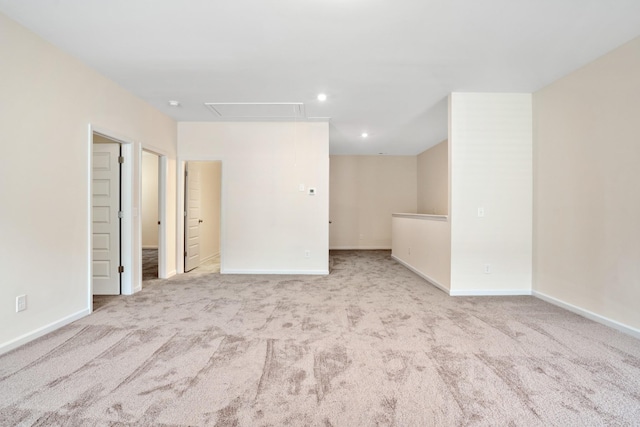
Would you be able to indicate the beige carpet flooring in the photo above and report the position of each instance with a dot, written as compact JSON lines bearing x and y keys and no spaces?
{"x":371,"y":344}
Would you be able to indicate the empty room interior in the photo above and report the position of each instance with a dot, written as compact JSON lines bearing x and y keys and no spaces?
{"x":306,"y":213}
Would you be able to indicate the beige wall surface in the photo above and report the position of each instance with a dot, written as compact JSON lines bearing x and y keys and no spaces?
{"x":433,"y":180}
{"x":268,"y":225}
{"x":587,"y":187}
{"x":424,"y":245}
{"x":365,"y":191}
{"x":48,"y":101}
{"x":490,"y":146}
{"x":210,"y":186}
{"x":149,"y":208}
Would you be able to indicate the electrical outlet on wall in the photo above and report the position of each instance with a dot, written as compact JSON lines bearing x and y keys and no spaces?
{"x":21,"y":303}
{"x":487,"y":269}
{"x":307,"y":253}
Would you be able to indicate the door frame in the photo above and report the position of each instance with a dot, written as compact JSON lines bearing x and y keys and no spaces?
{"x":180,"y":234}
{"x":128,"y":241}
{"x":163,"y":171}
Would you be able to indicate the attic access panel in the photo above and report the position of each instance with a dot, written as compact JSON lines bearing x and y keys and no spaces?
{"x":257,"y":110}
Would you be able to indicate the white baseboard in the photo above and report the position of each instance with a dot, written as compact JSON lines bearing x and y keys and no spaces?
{"x":209,"y":258}
{"x":489,"y":292}
{"x":23,"y":339}
{"x":421,"y":274}
{"x":306,"y":272}
{"x":170,"y":274}
{"x":589,"y":315}
{"x":149,"y":247}
{"x":360,"y":248}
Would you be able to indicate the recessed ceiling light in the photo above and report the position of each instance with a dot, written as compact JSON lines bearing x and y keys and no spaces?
{"x":364,"y":134}
{"x":174,"y":103}
{"x":322,"y":97}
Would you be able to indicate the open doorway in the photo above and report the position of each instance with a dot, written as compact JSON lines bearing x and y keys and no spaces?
{"x":150,"y":214}
{"x":106,"y":214}
{"x":120,"y":242}
{"x":202,"y":203}
{"x":111,"y":237}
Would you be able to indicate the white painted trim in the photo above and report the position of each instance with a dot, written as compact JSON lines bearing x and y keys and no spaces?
{"x":128,"y":241}
{"x":589,"y":314}
{"x":180,"y":168}
{"x":163,"y":173}
{"x":431,"y":280}
{"x":209,"y":258}
{"x":170,"y":274}
{"x":89,"y":220}
{"x":288,"y":272}
{"x":162,"y":206}
{"x":489,"y":292}
{"x":155,"y":150}
{"x":360,"y":248}
{"x":23,"y":339}
{"x":430,"y":217}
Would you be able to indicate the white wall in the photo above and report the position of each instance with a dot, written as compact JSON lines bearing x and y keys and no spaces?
{"x":149,"y":196}
{"x":587,"y":188}
{"x":491,"y":168}
{"x":433,"y":180}
{"x":48,"y":101}
{"x":267,"y":224}
{"x":365,"y":191}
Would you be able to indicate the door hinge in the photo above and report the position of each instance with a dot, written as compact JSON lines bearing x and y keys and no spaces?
{"x":158,"y":222}
{"x":120,"y":214}
{"x":120,"y":159}
{"x":120,"y":269}
{"x":185,"y":214}
{"x":185,"y":254}
{"x":186,"y":173}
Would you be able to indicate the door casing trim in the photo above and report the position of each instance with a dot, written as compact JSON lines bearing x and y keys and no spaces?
{"x":180,"y":234}
{"x":128,"y":240}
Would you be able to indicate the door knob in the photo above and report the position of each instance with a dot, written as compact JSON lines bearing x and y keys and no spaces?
{"x":200,"y":221}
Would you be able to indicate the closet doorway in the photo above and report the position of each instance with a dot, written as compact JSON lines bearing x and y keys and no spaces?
{"x":150,"y":214}
{"x":202,"y":207}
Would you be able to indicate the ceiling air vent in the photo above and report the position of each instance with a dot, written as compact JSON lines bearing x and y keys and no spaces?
{"x":257,"y":110}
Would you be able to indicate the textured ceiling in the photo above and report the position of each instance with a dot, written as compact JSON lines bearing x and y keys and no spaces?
{"x":386,"y":66}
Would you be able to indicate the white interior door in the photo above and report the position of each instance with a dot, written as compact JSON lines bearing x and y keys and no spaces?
{"x":106,"y":223}
{"x":192,"y":216}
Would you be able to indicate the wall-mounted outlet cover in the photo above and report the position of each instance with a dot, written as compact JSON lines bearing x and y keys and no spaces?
{"x":21,"y":303}
{"x":301,"y":187}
